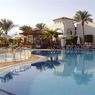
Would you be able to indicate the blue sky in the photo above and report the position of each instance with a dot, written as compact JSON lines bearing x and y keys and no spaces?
{"x":31,"y":12}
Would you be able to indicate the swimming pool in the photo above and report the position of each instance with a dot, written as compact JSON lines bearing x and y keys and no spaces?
{"x":64,"y":73}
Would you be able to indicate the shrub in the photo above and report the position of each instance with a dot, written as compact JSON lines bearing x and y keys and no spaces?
{"x":71,"y":41}
{"x":88,"y":38}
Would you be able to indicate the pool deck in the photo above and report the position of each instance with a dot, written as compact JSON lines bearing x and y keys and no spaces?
{"x":8,"y":64}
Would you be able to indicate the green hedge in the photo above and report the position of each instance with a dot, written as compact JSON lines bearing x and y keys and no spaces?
{"x":88,"y":38}
{"x":73,"y":40}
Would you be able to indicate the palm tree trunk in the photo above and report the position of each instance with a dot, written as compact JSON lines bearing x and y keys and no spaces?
{"x":33,"y":42}
{"x":51,"y":41}
{"x":6,"y":32}
{"x":83,"y":31}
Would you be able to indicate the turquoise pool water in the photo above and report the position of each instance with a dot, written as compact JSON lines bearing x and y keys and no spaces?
{"x":64,"y":73}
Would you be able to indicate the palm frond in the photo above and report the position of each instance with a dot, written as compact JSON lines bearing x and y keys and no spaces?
{"x":83,"y":16}
{"x":41,"y":26}
{"x":6,"y":25}
{"x":26,"y":28}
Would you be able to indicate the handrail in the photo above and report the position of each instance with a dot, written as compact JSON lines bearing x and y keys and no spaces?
{"x":8,"y":93}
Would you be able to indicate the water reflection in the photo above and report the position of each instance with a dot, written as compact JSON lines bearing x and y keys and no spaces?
{"x":83,"y":78}
{"x":46,"y":65}
{"x":7,"y":77}
{"x":15,"y":72}
{"x":84,"y":66}
{"x":78,"y":65}
{"x":53,"y":60}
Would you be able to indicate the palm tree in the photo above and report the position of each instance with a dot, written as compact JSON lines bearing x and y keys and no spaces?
{"x":83,"y":17}
{"x":50,"y":34}
{"x":6,"y":25}
{"x":41,"y":26}
{"x":1,"y":31}
{"x":26,"y":28}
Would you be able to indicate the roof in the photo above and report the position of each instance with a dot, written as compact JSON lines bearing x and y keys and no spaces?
{"x":6,"y":36}
{"x":63,"y":18}
{"x":19,"y":36}
{"x":36,"y":32}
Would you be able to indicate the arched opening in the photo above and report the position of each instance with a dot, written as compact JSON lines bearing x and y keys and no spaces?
{"x":62,"y":37}
{"x":59,"y":30}
{"x":69,"y":32}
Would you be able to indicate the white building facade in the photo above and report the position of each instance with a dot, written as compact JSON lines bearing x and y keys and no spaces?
{"x":89,"y":29}
{"x":64,"y":25}
{"x":69,"y":27}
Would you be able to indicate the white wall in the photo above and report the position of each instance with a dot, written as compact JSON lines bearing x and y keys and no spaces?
{"x":58,"y":25}
{"x":64,"y":25}
{"x":88,"y":29}
{"x":68,"y":24}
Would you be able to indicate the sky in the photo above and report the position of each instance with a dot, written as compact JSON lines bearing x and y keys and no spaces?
{"x":31,"y":12}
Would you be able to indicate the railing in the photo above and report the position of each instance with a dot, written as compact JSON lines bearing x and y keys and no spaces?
{"x":4,"y":92}
{"x":10,"y":55}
